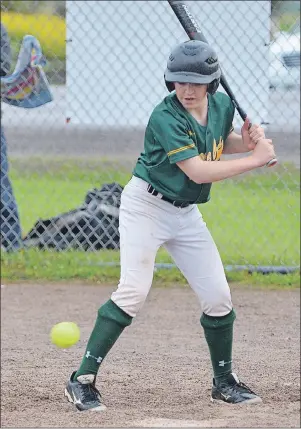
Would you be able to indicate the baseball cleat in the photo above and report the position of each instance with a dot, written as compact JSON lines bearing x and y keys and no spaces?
{"x":233,"y":391}
{"x":83,"y":393}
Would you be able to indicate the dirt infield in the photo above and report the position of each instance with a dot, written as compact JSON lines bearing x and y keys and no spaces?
{"x":159,"y":373}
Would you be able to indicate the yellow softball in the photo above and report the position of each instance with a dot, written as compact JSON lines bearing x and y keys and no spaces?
{"x":65,"y":334}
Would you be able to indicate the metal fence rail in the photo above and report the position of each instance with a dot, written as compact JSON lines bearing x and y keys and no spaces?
{"x":105,"y":64}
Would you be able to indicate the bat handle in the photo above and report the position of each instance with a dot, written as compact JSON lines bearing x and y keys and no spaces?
{"x":272,"y":162}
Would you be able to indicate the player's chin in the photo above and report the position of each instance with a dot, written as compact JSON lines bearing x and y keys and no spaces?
{"x":190,"y":103}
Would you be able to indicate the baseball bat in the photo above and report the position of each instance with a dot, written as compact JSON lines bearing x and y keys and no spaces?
{"x":194,"y":32}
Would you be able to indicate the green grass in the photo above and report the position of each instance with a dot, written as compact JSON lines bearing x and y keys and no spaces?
{"x":40,"y":266}
{"x":253,"y":219}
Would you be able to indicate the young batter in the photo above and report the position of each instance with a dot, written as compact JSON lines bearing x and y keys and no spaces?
{"x":188,"y":130}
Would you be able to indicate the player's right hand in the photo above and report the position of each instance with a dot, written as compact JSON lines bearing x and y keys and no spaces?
{"x":263,"y":152}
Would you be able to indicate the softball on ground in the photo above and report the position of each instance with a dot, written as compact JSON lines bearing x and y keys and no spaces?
{"x":65,"y":334}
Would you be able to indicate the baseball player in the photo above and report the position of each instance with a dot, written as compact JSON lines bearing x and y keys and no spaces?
{"x":185,"y":136}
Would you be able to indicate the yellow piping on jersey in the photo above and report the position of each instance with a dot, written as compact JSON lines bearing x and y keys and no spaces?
{"x":180,"y":149}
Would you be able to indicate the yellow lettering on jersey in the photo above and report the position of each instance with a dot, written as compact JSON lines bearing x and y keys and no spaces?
{"x":220,"y":148}
{"x":216,"y":152}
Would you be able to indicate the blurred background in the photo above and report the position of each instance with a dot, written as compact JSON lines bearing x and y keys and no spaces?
{"x":105,"y":65}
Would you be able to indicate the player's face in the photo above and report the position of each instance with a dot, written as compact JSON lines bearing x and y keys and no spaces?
{"x":191,"y":95}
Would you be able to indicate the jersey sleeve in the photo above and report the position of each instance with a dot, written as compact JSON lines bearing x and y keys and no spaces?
{"x":174,"y":137}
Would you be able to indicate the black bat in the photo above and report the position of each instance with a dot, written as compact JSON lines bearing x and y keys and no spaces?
{"x":194,"y":32}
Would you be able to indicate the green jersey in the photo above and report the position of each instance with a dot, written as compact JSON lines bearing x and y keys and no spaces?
{"x":172,"y":135}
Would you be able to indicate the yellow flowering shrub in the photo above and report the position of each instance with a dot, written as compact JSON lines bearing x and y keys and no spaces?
{"x":50,"y":30}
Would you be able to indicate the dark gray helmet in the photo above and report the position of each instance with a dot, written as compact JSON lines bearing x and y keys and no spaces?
{"x":193,"y":62}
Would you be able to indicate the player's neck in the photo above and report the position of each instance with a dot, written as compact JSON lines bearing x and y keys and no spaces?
{"x":200,"y":113}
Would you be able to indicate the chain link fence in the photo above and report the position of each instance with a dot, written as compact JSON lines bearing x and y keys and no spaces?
{"x":105,"y":62}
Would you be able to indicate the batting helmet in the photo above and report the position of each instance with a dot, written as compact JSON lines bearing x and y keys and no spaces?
{"x":193,"y":62}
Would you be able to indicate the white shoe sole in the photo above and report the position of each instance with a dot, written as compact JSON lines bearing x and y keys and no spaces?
{"x":96,"y":409}
{"x":256,"y":400}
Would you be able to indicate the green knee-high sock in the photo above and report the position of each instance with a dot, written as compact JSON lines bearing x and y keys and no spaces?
{"x":219,"y":337}
{"x":110,"y":323}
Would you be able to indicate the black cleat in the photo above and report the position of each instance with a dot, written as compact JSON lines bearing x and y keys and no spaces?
{"x":83,"y":393}
{"x":233,"y":391}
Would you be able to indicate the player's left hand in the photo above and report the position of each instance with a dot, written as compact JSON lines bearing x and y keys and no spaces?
{"x":251,"y":135}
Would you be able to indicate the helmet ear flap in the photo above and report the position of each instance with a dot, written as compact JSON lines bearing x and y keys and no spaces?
{"x":212,"y":87}
{"x":170,"y":86}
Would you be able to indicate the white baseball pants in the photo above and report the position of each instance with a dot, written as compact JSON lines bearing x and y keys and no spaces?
{"x":145,"y":224}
